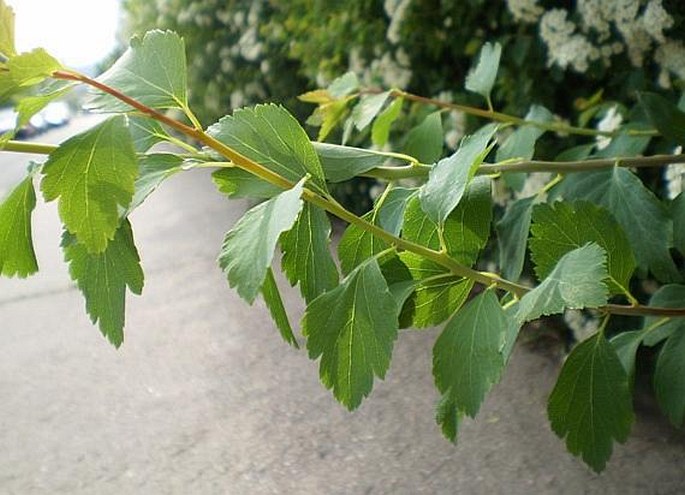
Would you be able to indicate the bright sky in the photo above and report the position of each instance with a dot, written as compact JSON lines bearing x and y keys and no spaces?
{"x":76,"y":32}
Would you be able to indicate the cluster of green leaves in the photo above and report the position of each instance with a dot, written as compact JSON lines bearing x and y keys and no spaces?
{"x":409,"y":263}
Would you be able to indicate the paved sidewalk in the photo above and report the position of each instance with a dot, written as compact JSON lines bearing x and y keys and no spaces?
{"x":204,"y":397}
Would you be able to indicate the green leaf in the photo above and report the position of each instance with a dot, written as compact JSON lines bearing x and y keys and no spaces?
{"x":643,"y":218}
{"x":32,"y":67}
{"x":390,"y":216}
{"x":353,"y":328}
{"x":448,"y":417}
{"x":145,"y":133}
{"x":625,"y":345}
{"x":248,"y":247}
{"x":512,"y":237}
{"x":343,"y":85}
{"x":357,"y":245}
{"x":669,"y":378}
{"x":466,"y":229}
{"x":306,"y":254}
{"x":270,"y":136}
{"x":591,"y":405}
{"x":17,"y":257}
{"x":467,"y":360}
{"x":152,"y":71}
{"x":664,"y":115}
{"x":576,"y":282}
{"x":341,"y":163}
{"x":449,"y":178}
{"x":668,"y":296}
{"x":154,"y":169}
{"x":7,"y":30}
{"x":437,"y":293}
{"x":103,"y":278}
{"x":367,"y":109}
{"x":521,"y":143}
{"x":380,"y":131}
{"x":238,"y":183}
{"x":563,"y":226}
{"x":273,"y":300}
{"x":678,"y":213}
{"x":424,"y":142}
{"x":481,"y":78}
{"x":93,"y":175}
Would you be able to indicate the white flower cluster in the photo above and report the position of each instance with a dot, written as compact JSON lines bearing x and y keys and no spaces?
{"x":600,"y":29}
{"x":581,"y":324}
{"x":396,"y":11}
{"x":390,"y":70}
{"x":526,"y":11}
{"x":674,"y":175}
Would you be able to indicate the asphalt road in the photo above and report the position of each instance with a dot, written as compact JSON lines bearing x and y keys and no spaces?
{"x":204,"y":397}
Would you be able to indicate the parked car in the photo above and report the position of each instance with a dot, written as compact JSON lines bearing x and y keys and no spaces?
{"x":55,"y":114}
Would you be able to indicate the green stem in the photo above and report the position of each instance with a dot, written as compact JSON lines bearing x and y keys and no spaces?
{"x":511,"y":119}
{"x":24,"y":147}
{"x":406,"y":172}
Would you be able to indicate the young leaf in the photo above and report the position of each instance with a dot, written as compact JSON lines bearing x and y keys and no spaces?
{"x":17,"y":256}
{"x":424,"y":142}
{"x":272,"y":298}
{"x":665,"y":116}
{"x":238,"y":183}
{"x":248,"y":247}
{"x":481,"y":78}
{"x":563,"y":226}
{"x":306,"y":254}
{"x":32,"y":67}
{"x":152,"y":71}
{"x":643,"y":218}
{"x":103,"y":278}
{"x":521,"y":143}
{"x":591,"y":405}
{"x":353,"y":328}
{"x":93,"y":175}
{"x":669,"y":378}
{"x":367,"y":109}
{"x":448,"y":417}
{"x":467,"y":360}
{"x":512,"y":237}
{"x":668,"y":296}
{"x":437,"y":294}
{"x":381,"y":126}
{"x":7,"y":30}
{"x":449,"y":178}
{"x":343,"y":85}
{"x":154,"y":169}
{"x":269,"y":135}
{"x":576,"y":282}
{"x":466,"y":229}
{"x":341,"y":163}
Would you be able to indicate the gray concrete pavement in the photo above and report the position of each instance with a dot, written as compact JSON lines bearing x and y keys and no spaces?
{"x":204,"y":397}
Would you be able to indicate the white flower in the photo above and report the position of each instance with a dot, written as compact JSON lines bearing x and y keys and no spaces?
{"x":526,"y":11}
{"x":655,"y":20}
{"x":396,"y":10}
{"x":673,"y":176}
{"x":671,"y":58}
{"x":610,"y":122}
